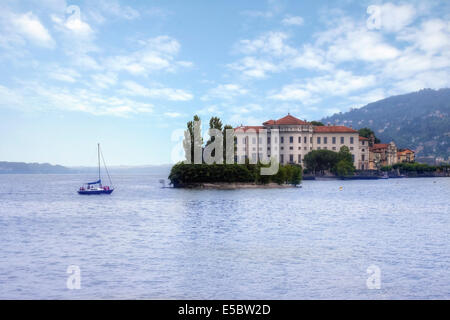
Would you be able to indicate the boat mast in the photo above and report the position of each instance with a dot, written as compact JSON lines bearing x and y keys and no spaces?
{"x":98,"y":153}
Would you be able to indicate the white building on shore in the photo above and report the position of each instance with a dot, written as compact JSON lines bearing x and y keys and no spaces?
{"x":296,"y":139}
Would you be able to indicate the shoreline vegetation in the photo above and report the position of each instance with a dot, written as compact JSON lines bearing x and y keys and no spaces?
{"x":233,"y":176}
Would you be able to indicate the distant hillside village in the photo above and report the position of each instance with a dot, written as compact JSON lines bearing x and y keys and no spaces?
{"x":299,"y":137}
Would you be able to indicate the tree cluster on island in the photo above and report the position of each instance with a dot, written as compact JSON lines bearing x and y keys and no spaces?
{"x":339,"y":163}
{"x":183,"y":174}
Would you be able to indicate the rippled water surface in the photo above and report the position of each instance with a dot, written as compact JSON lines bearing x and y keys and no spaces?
{"x":144,"y":241}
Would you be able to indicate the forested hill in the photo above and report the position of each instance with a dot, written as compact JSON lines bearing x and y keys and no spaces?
{"x":22,"y":167}
{"x":418,"y":120}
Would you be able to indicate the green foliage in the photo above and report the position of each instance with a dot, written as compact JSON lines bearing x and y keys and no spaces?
{"x":190,"y":141}
{"x":320,"y":160}
{"x":317,"y":123}
{"x":246,"y":173}
{"x":414,"y":167}
{"x":386,"y":168}
{"x":344,"y":154}
{"x":344,"y":168}
{"x":367,"y":132}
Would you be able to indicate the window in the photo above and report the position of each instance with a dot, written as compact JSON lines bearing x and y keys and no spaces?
{"x":304,"y":139}
{"x":299,"y":158}
{"x":291,"y":148}
{"x":268,"y":140}
{"x":318,"y":140}
{"x":351,"y":140}
{"x":318,"y":148}
{"x":299,"y":139}
{"x":362,"y":142}
{"x":254,"y":140}
{"x":282,"y":139}
{"x":334,"y":148}
{"x":291,"y":139}
{"x":254,"y":156}
{"x":324,"y":148}
{"x":362,"y":158}
{"x":353,"y":157}
{"x":362,"y":150}
{"x":244,"y":140}
{"x":325,"y":140}
{"x":281,"y":148}
{"x":351,"y":148}
{"x":291,"y":158}
{"x":310,"y":140}
{"x":299,"y":148}
{"x":260,"y":140}
{"x":342,"y":140}
{"x":333,"y":140}
{"x":282,"y":158}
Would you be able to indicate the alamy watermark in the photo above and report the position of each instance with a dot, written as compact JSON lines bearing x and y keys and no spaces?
{"x":74,"y":280}
{"x":373,"y":282}
{"x":221,"y":150}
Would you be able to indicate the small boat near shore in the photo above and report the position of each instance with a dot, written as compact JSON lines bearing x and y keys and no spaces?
{"x":96,"y":187}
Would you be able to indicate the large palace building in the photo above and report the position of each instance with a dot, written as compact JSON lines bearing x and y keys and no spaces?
{"x":297,"y":138}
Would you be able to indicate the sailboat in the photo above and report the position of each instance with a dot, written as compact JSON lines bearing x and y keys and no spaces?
{"x":97,"y":187}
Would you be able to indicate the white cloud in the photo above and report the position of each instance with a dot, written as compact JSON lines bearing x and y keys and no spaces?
{"x":173,"y":114}
{"x":156,"y":54}
{"x":34,"y":96}
{"x":247,"y":108}
{"x":310,"y":58}
{"x":64,"y":74}
{"x":113,"y":7}
{"x":210,"y":110}
{"x":254,"y":68}
{"x":351,"y":42}
{"x":225,"y":91}
{"x":73,"y":24}
{"x":104,"y":80}
{"x":394,"y":18}
{"x":312,"y":90}
{"x":293,"y":21}
{"x":135,"y":89}
{"x":272,"y":43}
{"x":432,"y":36}
{"x":30,"y":27}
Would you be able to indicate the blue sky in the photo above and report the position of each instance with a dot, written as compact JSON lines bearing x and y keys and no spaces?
{"x":130,"y":74}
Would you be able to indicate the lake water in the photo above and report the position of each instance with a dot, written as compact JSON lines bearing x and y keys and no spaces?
{"x":144,"y":241}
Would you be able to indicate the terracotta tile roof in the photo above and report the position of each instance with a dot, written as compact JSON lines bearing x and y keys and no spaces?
{"x":363,"y":138}
{"x":337,"y":129}
{"x":246,"y":128}
{"x":405,"y":151}
{"x":379,"y":146}
{"x":287,"y":120}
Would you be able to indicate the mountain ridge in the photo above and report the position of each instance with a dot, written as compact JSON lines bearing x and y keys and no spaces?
{"x":417,"y":120}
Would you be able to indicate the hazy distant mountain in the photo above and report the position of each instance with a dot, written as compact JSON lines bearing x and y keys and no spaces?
{"x":418,"y":120}
{"x":22,"y":167}
{"x":149,"y":169}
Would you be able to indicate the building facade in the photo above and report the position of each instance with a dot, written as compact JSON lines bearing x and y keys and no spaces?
{"x":405,"y":155}
{"x":382,"y":154}
{"x":295,"y":139}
